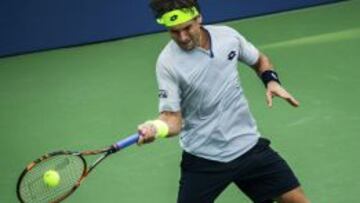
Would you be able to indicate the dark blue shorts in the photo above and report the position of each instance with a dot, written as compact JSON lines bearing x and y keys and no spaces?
{"x":260,"y":173}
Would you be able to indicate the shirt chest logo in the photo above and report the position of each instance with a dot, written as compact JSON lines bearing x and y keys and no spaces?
{"x":231,"y":55}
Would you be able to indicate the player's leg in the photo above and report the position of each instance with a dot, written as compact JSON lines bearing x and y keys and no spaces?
{"x":199,"y":182}
{"x":294,"y":196}
{"x":269,"y":177}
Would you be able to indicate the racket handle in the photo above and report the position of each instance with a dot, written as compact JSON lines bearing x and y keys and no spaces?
{"x":132,"y":139}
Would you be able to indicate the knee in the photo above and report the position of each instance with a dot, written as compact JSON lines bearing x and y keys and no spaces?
{"x":294,"y":196}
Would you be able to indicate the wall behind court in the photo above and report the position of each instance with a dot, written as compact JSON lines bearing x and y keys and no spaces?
{"x":27,"y":26}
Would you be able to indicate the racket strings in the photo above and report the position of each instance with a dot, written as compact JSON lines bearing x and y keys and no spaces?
{"x":33,"y":187}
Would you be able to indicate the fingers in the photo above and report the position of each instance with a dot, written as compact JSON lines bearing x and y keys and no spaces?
{"x":289,"y":98}
{"x":277,"y":90}
{"x":293,"y":101}
{"x":147,"y":133}
{"x":269,"y":98}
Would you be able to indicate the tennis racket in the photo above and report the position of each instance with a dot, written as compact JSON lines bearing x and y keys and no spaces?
{"x":71,"y":167}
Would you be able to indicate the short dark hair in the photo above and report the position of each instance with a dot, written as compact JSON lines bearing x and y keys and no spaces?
{"x":160,"y":7}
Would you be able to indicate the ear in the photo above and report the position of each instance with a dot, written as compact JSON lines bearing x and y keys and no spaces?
{"x":199,"y":19}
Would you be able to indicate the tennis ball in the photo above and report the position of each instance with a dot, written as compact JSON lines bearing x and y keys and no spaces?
{"x":51,"y":178}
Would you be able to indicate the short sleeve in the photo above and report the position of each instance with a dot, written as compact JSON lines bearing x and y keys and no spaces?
{"x":169,"y":90}
{"x":248,"y":53}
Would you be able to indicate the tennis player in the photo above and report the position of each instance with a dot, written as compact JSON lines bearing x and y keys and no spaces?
{"x":201,"y":99}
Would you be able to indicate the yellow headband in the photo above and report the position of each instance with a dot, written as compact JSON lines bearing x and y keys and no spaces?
{"x":178,"y":16}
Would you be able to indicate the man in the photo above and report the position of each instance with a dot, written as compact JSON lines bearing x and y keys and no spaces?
{"x":202,"y":100}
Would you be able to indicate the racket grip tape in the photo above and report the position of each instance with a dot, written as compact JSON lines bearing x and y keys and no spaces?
{"x":132,"y":139}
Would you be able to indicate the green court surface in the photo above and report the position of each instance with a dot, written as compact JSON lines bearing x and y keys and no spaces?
{"x":89,"y":97}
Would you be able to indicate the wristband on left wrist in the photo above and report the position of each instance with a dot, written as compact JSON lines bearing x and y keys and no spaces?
{"x":268,"y":76}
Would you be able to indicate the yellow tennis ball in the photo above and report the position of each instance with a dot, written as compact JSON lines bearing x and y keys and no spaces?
{"x":51,"y":178}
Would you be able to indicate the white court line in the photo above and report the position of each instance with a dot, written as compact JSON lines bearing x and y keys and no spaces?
{"x":301,"y":121}
{"x":322,"y":38}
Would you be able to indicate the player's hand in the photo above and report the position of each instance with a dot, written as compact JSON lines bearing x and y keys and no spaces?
{"x":275,"y":89}
{"x":147,"y":133}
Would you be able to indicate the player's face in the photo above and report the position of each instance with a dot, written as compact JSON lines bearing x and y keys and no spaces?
{"x":187,"y":35}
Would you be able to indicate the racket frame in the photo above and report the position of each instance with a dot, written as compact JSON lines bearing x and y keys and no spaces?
{"x":128,"y":141}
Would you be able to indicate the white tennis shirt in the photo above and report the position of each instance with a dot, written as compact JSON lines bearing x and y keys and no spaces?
{"x":204,"y":85}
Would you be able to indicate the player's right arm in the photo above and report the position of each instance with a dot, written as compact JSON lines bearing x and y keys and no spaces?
{"x":173,"y":120}
{"x":169,"y":121}
{"x":148,"y":131}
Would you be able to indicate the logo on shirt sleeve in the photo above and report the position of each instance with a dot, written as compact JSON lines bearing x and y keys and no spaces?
{"x":231,"y":55}
{"x":163,"y":94}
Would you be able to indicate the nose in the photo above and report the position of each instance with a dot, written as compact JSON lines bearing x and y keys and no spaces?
{"x":184,"y":36}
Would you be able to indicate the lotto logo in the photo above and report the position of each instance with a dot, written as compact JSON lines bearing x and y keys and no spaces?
{"x":174,"y":17}
{"x":231,"y":55}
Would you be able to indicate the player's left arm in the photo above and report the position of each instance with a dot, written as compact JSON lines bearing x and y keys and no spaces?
{"x":266,"y":72}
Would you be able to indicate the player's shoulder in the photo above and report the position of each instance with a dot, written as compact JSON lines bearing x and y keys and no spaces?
{"x":166,"y":57}
{"x":223,"y":30}
{"x":168,"y":52}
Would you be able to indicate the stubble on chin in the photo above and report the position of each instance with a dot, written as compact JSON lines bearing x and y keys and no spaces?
{"x":187,"y":47}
